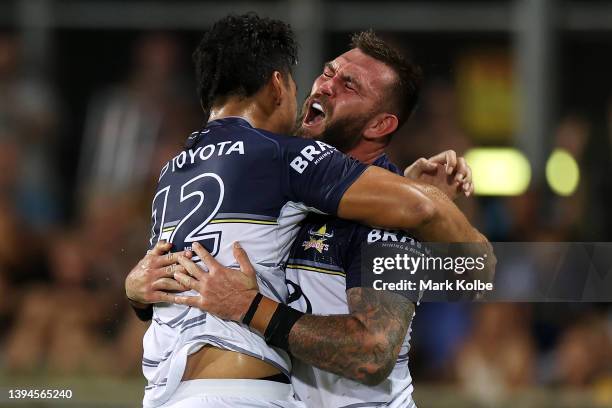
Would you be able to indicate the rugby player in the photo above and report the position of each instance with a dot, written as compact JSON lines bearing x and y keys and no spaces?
{"x":347,"y":330}
{"x":238,"y":180}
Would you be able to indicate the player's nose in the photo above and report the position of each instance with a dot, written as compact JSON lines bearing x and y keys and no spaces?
{"x":327,"y":87}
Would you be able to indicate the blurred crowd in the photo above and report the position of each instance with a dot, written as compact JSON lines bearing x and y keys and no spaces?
{"x":67,"y":243}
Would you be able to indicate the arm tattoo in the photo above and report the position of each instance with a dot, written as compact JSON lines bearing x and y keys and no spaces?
{"x":362,"y":345}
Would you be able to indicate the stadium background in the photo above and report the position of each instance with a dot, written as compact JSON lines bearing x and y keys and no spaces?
{"x":95,"y":95}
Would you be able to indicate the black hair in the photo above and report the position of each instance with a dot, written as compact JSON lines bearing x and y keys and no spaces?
{"x":404,"y":94}
{"x":238,"y":55}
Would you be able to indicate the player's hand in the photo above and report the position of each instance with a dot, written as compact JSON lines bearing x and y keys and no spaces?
{"x":224,"y":292}
{"x":153,"y":276}
{"x":446,"y":171}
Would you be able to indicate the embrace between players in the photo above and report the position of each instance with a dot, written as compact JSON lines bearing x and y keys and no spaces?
{"x":289,"y":325}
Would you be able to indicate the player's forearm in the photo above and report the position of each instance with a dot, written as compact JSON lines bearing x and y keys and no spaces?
{"x":363,"y":345}
{"x":344,"y":346}
{"x":450,"y":225}
{"x":447,"y":223}
{"x":382,"y":199}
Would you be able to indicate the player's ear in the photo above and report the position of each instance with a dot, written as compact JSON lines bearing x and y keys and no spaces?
{"x":380,"y":126}
{"x":278,"y":86}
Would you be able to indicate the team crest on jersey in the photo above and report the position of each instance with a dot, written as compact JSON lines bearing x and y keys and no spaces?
{"x":317,"y":239}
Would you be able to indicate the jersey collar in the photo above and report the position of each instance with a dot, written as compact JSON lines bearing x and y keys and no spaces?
{"x":229,"y":120}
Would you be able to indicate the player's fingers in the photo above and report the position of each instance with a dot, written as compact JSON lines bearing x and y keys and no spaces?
{"x":426,"y":165}
{"x":160,"y":296}
{"x":468,"y":172}
{"x":461,"y":171}
{"x":243,"y":259}
{"x":160,"y":248}
{"x":209,"y":260}
{"x":168,"y":271}
{"x":439,"y":158}
{"x":168,"y":284}
{"x":410,"y":171}
{"x":159,"y":261}
{"x":192,"y":301}
{"x":464,"y":173}
{"x":451,"y":161}
{"x":468,"y":189}
{"x":190,"y":268}
{"x":187,"y":281}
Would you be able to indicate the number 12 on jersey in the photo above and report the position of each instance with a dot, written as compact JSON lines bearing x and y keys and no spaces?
{"x":180,"y":215}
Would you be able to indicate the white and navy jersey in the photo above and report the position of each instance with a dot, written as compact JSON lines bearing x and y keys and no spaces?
{"x":235,"y":183}
{"x":325,"y":262}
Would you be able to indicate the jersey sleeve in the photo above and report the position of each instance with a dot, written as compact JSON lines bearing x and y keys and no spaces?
{"x":317,"y":174}
{"x":352,"y":256}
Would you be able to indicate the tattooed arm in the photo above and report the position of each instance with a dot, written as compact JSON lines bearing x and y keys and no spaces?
{"x":362,"y":345}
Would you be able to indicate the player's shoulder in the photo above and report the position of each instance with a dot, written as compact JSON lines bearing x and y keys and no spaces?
{"x":294,"y":143}
{"x":288,"y":146}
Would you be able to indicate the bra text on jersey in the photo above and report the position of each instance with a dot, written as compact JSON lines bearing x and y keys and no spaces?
{"x":309,"y":154}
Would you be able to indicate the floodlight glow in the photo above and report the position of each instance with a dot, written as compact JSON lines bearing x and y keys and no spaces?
{"x":499,"y":171}
{"x":562,"y":172}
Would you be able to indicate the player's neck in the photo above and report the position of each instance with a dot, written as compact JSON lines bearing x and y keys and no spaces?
{"x":367,"y":152}
{"x":246,"y":108}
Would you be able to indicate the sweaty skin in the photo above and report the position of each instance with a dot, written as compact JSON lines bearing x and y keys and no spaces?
{"x":213,"y":362}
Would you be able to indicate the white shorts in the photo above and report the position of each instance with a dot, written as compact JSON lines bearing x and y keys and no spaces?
{"x":231,"y":393}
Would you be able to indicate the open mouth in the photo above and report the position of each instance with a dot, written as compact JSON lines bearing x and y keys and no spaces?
{"x":315,"y":114}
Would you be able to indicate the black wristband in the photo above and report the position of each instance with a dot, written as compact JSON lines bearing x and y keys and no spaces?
{"x":145,"y":314}
{"x":252,"y":309}
{"x":277,"y":332}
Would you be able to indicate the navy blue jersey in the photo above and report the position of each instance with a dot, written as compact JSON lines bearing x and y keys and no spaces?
{"x":332,"y":245}
{"x":324,"y":262}
{"x":237,"y":171}
{"x":235,"y":183}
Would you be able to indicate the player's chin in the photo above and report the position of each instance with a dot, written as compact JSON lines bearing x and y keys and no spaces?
{"x":311,"y":131}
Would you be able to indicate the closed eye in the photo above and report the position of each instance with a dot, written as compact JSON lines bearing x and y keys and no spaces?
{"x":328,"y":70}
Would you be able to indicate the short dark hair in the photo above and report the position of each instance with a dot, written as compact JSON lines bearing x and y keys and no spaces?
{"x":405,"y":93}
{"x":238,"y":55}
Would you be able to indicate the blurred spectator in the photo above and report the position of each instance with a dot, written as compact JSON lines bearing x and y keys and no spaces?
{"x":433,"y":128}
{"x":584,"y":354}
{"x":114,"y":231}
{"x":18,"y":242}
{"x":499,"y":355}
{"x":126,"y":122}
{"x":58,"y":325}
{"x":436,"y":344}
{"x":29,"y":107}
{"x":80,"y":322}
